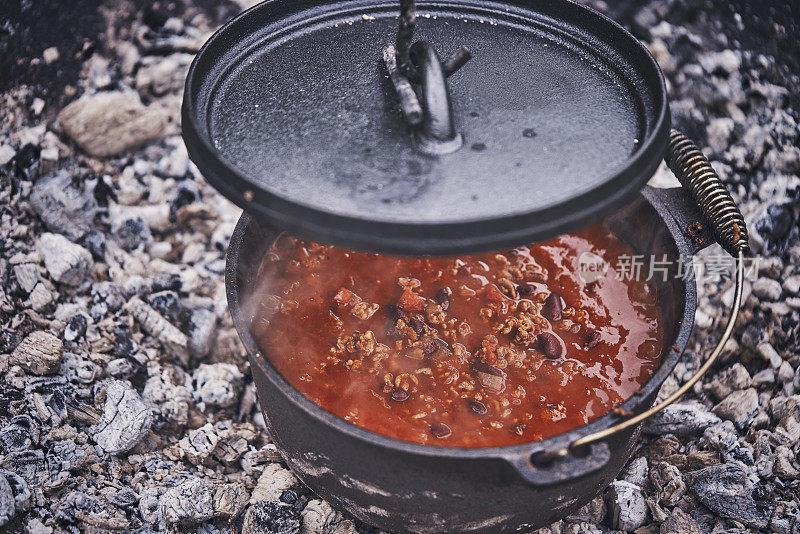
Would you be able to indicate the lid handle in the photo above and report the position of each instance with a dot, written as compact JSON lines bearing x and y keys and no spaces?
{"x":419,"y":63}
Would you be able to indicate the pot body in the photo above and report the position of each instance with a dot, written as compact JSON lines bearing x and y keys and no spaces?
{"x":405,"y":487}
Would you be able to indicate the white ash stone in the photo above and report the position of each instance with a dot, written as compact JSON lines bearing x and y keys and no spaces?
{"x":107,"y":124}
{"x":635,"y":472}
{"x":159,"y":249}
{"x":125,"y":421}
{"x":51,"y":54}
{"x":253,"y":462}
{"x":660,"y":51}
{"x":199,"y":444}
{"x":274,"y":480}
{"x":668,"y":483}
{"x":119,"y":368}
{"x":7,"y":153}
{"x":176,"y":164}
{"x":66,"y":262}
{"x":319,"y":517}
{"x":35,"y":526}
{"x":792,"y":285}
{"x":41,"y":298}
{"x":768,"y":352}
{"x":7,"y":505}
{"x":161,"y":75}
{"x":169,"y":396}
{"x":627,"y":506}
{"x":202,"y":331}
{"x":40,"y":353}
{"x":230,"y":500}
{"x":157,"y":326}
{"x":217,"y":384}
{"x":719,"y":133}
{"x":63,"y":207}
{"x":723,"y":437}
{"x":767,"y":288}
{"x":727,"y":60}
{"x":788,"y":414}
{"x":727,"y":490}
{"x":728,"y":380}
{"x":785,"y":372}
{"x":763,"y":377}
{"x":681,"y":419}
{"x":27,"y":275}
{"x":785,"y":465}
{"x":679,"y":522}
{"x":129,"y":189}
{"x":740,"y":407}
{"x":78,"y":368}
{"x":155,"y":215}
{"x":191,"y":501}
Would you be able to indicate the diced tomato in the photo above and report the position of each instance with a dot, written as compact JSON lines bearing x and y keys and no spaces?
{"x":410,"y":301}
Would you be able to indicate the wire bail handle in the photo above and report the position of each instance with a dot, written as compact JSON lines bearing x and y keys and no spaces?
{"x":419,"y":64}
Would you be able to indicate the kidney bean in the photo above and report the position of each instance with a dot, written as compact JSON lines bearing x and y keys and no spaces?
{"x":550,"y":345}
{"x":399,"y":395}
{"x":477,"y":407}
{"x":525,"y":290}
{"x":592,"y":340}
{"x":442,"y":298}
{"x":551,"y":309}
{"x":418,"y":325}
{"x":440,"y":430}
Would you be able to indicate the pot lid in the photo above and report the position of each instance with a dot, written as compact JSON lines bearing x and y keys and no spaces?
{"x":289,"y":112}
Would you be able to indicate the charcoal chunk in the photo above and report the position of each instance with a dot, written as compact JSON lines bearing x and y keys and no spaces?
{"x":726,"y":490}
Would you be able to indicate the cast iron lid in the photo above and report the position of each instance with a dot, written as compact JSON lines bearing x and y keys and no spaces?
{"x":290,"y":113}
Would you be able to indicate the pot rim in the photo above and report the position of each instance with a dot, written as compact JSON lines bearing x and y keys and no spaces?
{"x":560,"y":441}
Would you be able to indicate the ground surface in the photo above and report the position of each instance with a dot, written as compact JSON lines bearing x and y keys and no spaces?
{"x":125,"y":401}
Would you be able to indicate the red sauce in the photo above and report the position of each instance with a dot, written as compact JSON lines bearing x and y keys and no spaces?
{"x":477,"y":351}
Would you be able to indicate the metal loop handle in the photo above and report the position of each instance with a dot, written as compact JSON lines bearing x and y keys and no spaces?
{"x":720,"y":211}
{"x":438,"y":133}
{"x":405,"y":35}
{"x":409,"y":63}
{"x":716,"y":204}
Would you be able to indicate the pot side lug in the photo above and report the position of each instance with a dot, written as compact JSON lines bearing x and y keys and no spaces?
{"x":677,"y":203}
{"x":559,"y":469}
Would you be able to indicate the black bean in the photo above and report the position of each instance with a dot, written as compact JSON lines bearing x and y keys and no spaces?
{"x":443,"y":298}
{"x":396,"y":312}
{"x":399,"y":395}
{"x":429,"y":346}
{"x":550,"y":345}
{"x":519,"y":429}
{"x":477,"y":407}
{"x":440,"y":430}
{"x":418,"y":325}
{"x":552,"y":307}
{"x":592,"y":340}
{"x":525,"y":290}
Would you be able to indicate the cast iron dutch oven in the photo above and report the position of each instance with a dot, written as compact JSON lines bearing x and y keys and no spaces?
{"x":293,"y":111}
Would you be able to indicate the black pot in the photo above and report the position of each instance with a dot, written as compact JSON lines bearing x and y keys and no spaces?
{"x":407,"y":487}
